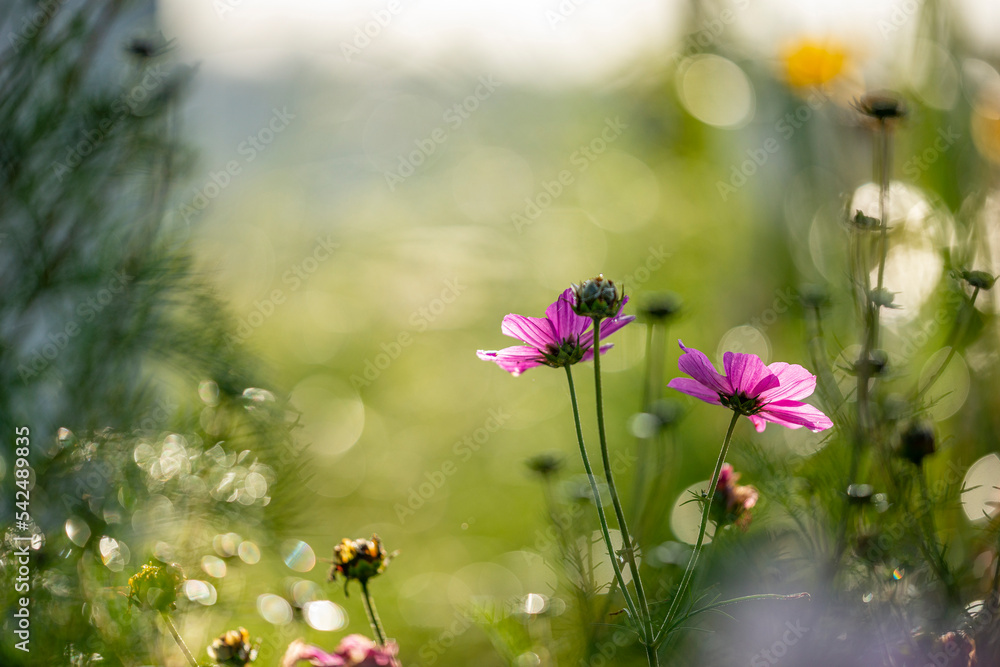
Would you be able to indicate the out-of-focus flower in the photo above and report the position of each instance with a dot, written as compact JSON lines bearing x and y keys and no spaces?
{"x":544,"y":465}
{"x":978,"y":279}
{"x":952,"y":649}
{"x":353,"y":651}
{"x":762,"y":393}
{"x":810,"y":63}
{"x":597,"y":297}
{"x":233,"y":649}
{"x":985,"y":126}
{"x":359,"y":560}
{"x":865,"y":222}
{"x":916,"y":442}
{"x":814,"y":296}
{"x":732,"y":502}
{"x":155,"y":586}
{"x":658,"y":307}
{"x":561,"y":338}
{"x":860,"y":494}
{"x":881,"y":106}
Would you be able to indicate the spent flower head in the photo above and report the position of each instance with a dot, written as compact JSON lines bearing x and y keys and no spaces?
{"x":597,"y":298}
{"x":881,"y":106}
{"x":916,"y":442}
{"x":661,"y":306}
{"x":155,"y":586}
{"x":761,"y":393}
{"x":359,"y":560}
{"x":544,"y":465}
{"x":233,"y":649}
{"x":561,"y":338}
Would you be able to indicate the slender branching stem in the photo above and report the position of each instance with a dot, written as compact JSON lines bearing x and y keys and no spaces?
{"x":597,"y":500}
{"x":957,"y":336}
{"x":627,"y":544}
{"x":744,"y":598}
{"x":706,"y":512}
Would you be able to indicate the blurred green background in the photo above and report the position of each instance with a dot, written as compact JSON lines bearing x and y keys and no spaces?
{"x":368,"y":219}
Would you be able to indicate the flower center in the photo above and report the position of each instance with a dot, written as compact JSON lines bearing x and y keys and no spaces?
{"x":569,"y":352}
{"x":741,"y":403}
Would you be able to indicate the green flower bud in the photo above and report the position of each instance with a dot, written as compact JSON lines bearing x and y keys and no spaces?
{"x":979,"y":279}
{"x":597,"y":298}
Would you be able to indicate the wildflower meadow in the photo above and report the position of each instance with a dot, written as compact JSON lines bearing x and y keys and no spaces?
{"x":537,"y":334}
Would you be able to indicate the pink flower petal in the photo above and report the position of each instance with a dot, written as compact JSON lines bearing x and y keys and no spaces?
{"x":794,"y":414}
{"x":747,"y":374}
{"x":696,"y":364}
{"x":759,"y":423}
{"x":534,"y":331}
{"x":796,"y":383}
{"x":515,"y":360}
{"x":565,"y":322}
{"x":608,"y":327}
{"x":299,"y":650}
{"x":589,"y":354}
{"x":694,"y":388}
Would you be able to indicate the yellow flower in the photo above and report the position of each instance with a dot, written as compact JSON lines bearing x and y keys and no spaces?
{"x":810,"y":63}
{"x":155,"y":586}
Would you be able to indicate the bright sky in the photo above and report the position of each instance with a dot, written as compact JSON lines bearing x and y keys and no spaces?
{"x":544,"y":41}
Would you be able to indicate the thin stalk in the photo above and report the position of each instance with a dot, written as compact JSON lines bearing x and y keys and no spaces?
{"x":652,"y":392}
{"x":885,"y":154}
{"x":177,"y":638}
{"x":651,"y":656}
{"x":745,"y":598}
{"x":642,"y":444}
{"x":693,"y":561}
{"x":930,"y":548}
{"x":958,"y":334}
{"x":615,"y":500}
{"x":372,"y":614}
{"x":597,"y":499}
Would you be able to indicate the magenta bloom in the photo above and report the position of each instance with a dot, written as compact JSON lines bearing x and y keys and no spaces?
{"x":762,"y":393}
{"x":561,"y":338}
{"x":353,"y":651}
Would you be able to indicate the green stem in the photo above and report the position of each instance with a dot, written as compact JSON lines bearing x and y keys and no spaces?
{"x":693,"y":561}
{"x":642,"y":444}
{"x":372,"y":614}
{"x":612,"y":490}
{"x":959,"y":333}
{"x":745,"y":598}
{"x":177,"y":638}
{"x":651,"y":656}
{"x":935,"y":555}
{"x":597,"y":499}
{"x":883,"y":195}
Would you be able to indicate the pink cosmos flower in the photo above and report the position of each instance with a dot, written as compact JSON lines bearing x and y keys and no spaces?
{"x":762,"y":393}
{"x":559,"y":339}
{"x":733,"y":502}
{"x":353,"y":651}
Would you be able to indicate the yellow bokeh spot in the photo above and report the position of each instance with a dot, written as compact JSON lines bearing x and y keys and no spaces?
{"x":811,"y":63}
{"x":986,"y":130}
